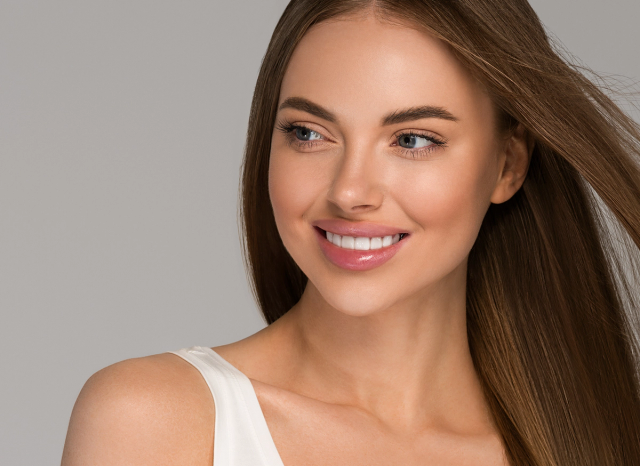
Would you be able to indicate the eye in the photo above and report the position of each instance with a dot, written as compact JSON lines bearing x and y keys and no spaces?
{"x":417,"y":145}
{"x":306,"y":134}
{"x":414,"y":141}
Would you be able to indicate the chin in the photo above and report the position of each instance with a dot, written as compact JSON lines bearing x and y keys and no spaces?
{"x":354,"y":304}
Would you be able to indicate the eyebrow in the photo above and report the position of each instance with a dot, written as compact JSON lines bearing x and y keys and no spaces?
{"x":399,"y":116}
{"x":417,"y":113}
{"x":300,"y":103}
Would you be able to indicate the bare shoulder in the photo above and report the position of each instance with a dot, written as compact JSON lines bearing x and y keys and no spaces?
{"x":151,"y":410}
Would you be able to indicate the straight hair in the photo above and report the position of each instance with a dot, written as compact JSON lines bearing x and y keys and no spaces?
{"x":552,"y":305}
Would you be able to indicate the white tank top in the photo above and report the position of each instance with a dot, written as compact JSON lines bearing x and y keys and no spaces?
{"x":241,"y":437}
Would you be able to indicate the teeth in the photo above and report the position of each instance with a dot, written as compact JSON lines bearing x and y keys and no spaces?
{"x":337,"y":240}
{"x":362,"y":243}
{"x":348,"y":242}
{"x":376,"y":243}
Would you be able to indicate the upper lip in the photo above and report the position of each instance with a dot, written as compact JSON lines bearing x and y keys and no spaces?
{"x":357,"y":229}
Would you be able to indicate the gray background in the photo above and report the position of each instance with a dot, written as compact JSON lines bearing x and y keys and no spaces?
{"x":121,"y":132}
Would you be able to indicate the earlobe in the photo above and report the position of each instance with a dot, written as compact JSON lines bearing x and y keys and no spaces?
{"x":517,"y":156}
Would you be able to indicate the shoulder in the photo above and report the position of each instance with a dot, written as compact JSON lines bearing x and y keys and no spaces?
{"x":151,"y":410}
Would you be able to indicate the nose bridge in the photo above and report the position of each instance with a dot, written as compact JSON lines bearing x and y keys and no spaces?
{"x":357,"y":182}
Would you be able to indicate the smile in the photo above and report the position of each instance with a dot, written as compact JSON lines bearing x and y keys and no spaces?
{"x":359,"y":253}
{"x":363,"y":243}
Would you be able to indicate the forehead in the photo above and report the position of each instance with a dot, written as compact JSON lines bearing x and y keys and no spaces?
{"x":373,"y":67}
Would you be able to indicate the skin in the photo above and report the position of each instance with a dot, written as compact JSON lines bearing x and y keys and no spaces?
{"x":369,"y":367}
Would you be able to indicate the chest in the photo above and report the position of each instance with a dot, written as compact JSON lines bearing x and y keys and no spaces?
{"x":311,"y":433}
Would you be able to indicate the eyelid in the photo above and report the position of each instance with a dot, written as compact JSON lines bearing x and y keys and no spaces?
{"x":287,"y":127}
{"x":419,"y":132}
{"x":322,"y":131}
{"x":422,"y":153}
{"x":310,"y":128}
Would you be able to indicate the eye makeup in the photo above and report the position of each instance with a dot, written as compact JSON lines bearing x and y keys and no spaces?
{"x":410,"y":137}
{"x":293,"y":133}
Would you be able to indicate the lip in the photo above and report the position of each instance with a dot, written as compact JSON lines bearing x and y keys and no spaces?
{"x":361,"y":229}
{"x":356,"y":260}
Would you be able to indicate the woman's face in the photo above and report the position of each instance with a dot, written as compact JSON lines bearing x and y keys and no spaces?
{"x":381,"y":131}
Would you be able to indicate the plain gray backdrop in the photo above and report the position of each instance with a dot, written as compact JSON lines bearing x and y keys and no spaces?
{"x":122,"y":125}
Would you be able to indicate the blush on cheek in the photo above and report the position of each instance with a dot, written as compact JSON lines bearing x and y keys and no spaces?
{"x":450,"y":209}
{"x":292,"y":192}
{"x":286,"y":191}
{"x":462,"y":218}
{"x":280,"y":202}
{"x":298,"y":181}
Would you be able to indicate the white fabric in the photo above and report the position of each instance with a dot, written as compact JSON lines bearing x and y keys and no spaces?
{"x":242,"y":437}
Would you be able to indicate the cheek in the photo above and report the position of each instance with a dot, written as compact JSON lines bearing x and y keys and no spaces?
{"x":294,"y":185}
{"x":448,"y":201}
{"x":451,"y":199}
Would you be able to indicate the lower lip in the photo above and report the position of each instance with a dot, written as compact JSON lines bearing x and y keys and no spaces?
{"x":352,"y":259}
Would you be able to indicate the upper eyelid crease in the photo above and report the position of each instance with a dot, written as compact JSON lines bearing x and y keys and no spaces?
{"x":398,"y":116}
{"x":286,"y":126}
{"x":417,"y":132}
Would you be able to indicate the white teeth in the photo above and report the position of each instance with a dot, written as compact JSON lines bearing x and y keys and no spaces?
{"x":376,"y":243}
{"x":362,"y":243}
{"x":337,"y":240}
{"x":348,"y":242}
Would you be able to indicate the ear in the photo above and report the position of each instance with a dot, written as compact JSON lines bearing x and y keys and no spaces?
{"x":515,"y":159}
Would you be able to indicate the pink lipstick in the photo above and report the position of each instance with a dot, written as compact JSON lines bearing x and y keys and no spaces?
{"x":364,"y":235}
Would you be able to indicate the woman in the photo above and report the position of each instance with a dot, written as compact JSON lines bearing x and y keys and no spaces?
{"x":438,"y":281}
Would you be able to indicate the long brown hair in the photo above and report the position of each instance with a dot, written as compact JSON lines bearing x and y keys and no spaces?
{"x":552,"y":313}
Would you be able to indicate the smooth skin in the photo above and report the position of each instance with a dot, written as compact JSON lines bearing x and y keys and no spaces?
{"x":368,"y":368}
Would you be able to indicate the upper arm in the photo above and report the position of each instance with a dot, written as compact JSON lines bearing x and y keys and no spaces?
{"x":147,"y":411}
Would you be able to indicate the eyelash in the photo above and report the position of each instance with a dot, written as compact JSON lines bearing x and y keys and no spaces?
{"x":288,"y":129}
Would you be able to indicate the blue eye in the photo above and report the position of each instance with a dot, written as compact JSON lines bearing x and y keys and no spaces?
{"x":305,"y":134}
{"x":413,"y":141}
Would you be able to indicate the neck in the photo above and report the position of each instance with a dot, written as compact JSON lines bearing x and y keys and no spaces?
{"x":409,"y":365}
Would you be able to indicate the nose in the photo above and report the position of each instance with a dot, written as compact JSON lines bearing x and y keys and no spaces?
{"x":358,"y":183}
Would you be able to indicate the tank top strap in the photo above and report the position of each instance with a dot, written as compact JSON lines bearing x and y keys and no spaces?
{"x":241,"y":435}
